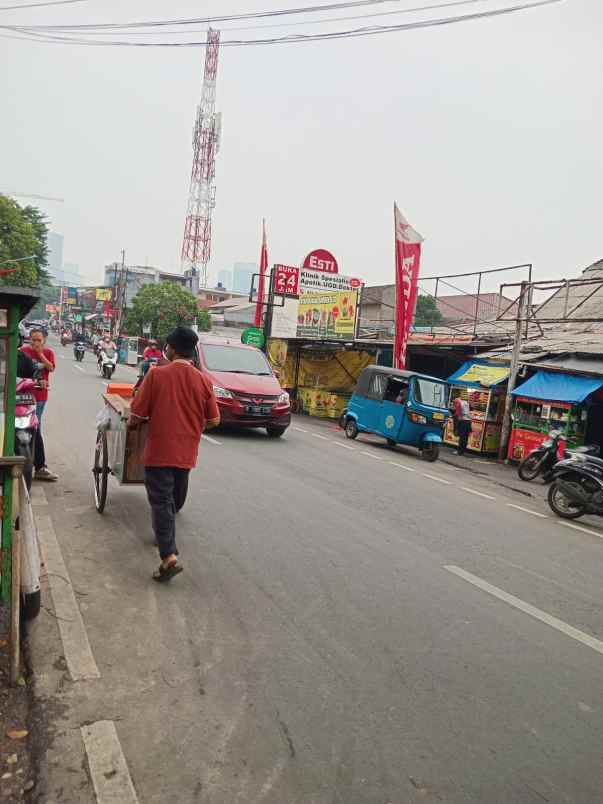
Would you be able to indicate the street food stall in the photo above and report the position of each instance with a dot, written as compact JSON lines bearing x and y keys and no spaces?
{"x":555,"y":401}
{"x":311,"y":330}
{"x":482,"y":383}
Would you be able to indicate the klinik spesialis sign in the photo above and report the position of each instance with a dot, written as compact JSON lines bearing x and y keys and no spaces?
{"x":318,"y":303}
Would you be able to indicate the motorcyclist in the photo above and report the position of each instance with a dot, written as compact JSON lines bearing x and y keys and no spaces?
{"x":106,"y":346}
{"x":152,"y":352}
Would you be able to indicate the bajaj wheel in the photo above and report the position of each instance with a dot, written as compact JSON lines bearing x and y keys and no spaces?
{"x":351,"y":428}
{"x":430,"y":451}
{"x":529,"y":468}
{"x":561,"y":505}
{"x":100,"y":471}
{"x":391,"y":442}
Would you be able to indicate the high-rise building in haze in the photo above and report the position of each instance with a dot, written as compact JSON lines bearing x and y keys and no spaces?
{"x":68,"y":275}
{"x":225,"y":279}
{"x":241,"y":276}
{"x":55,"y":253}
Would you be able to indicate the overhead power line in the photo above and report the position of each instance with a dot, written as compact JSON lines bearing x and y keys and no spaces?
{"x":40,"y":5}
{"x":293,"y":23}
{"x":293,"y":38}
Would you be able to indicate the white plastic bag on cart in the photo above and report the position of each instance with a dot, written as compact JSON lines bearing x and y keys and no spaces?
{"x":103,"y":419}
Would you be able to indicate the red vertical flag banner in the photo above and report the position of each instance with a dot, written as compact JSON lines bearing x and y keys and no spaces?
{"x":259,"y":304}
{"x":408,"y":260}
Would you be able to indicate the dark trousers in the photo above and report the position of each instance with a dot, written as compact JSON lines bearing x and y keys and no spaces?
{"x":166,"y":489}
{"x":464,"y":431}
{"x":39,"y":452}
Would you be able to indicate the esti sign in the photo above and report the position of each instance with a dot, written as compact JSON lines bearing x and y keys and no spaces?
{"x":321,"y":260}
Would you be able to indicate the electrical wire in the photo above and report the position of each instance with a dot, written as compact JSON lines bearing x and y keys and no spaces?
{"x":215,"y":19}
{"x":294,"y":38}
{"x":297,"y":23}
{"x":40,"y":5}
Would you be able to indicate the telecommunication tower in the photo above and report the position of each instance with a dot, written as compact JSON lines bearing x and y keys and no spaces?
{"x":196,"y":245}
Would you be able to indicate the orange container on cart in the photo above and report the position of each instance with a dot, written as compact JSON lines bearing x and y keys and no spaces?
{"x":123,"y":389}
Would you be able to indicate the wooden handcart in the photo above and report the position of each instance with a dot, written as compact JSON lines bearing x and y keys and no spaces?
{"x":118,"y":449}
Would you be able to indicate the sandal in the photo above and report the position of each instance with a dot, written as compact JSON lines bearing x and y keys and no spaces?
{"x":167,"y":573}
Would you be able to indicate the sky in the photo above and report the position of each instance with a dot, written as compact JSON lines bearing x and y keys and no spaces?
{"x":487,"y":134}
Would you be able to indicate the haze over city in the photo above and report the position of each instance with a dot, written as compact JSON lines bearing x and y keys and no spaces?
{"x":487,"y":134}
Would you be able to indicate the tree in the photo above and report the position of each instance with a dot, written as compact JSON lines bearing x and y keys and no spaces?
{"x":204,"y":321}
{"x":23,"y":233}
{"x":427,"y":313}
{"x":162,"y":307}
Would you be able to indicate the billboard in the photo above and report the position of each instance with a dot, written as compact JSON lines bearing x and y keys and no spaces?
{"x":317,"y":305}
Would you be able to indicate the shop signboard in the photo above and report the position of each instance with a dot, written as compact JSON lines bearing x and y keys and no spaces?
{"x":286,"y":280}
{"x":484,"y":375}
{"x":325,"y":307}
{"x":321,"y":260}
{"x":104,"y":294}
{"x":253,"y":336}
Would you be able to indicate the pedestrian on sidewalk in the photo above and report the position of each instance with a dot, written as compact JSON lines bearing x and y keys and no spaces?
{"x":179,"y":403}
{"x":462,"y":423}
{"x":44,"y":357}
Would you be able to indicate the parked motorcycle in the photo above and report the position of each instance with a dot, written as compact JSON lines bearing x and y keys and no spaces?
{"x":26,"y":423}
{"x":541,"y":460}
{"x":107,"y":362}
{"x":577,"y":487}
{"x":78,"y":351}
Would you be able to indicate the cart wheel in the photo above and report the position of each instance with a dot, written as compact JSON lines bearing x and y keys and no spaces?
{"x":100,"y":471}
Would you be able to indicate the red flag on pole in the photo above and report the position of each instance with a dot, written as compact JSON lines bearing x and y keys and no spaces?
{"x":259,"y":304}
{"x":408,"y":259}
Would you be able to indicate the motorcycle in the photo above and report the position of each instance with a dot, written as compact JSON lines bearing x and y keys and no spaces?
{"x":26,"y":424}
{"x":577,"y":487}
{"x":542,"y":460}
{"x":79,"y":350}
{"x":107,"y":363}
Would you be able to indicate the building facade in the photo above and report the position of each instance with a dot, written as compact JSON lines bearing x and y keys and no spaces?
{"x":137,"y":276}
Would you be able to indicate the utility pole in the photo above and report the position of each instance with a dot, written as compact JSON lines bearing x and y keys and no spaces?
{"x":524,"y":294}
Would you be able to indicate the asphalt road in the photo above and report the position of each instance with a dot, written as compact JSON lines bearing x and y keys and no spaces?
{"x":353,"y":625}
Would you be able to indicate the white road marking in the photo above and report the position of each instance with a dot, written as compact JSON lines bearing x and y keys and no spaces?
{"x":211,"y":440}
{"x":370,"y":454}
{"x":527,"y":608}
{"x":76,"y":646}
{"x":527,"y":510}
{"x":300,"y":430}
{"x":584,"y":530}
{"x":108,"y":768}
{"x":401,"y":466}
{"x":79,"y":368}
{"x":339,"y":444}
{"x":434,"y":477}
{"x":323,"y":438}
{"x":478,"y":493}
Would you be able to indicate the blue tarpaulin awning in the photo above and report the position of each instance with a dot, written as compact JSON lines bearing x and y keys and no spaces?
{"x":557,"y":387}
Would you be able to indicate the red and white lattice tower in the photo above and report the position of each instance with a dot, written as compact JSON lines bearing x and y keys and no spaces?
{"x":196,"y":246}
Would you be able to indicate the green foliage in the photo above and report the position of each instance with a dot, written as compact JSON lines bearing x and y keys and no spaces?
{"x":427,"y":313}
{"x":163,"y":306}
{"x":203,"y":321}
{"x":22,"y":233}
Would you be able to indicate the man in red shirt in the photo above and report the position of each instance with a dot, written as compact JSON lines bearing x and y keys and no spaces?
{"x":179,"y":402}
{"x":46,"y":362}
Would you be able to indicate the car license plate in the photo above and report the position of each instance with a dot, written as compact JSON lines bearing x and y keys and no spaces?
{"x":438,"y":416}
{"x":258,"y":410}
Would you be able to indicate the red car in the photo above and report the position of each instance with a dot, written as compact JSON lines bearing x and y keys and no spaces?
{"x":248,"y":393}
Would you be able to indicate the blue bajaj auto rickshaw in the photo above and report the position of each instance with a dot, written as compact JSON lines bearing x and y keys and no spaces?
{"x":402,"y":406}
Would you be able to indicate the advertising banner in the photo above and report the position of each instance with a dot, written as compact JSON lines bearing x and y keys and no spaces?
{"x":104,"y":294}
{"x":408,"y":259}
{"x":71,"y":295}
{"x":325,"y":306}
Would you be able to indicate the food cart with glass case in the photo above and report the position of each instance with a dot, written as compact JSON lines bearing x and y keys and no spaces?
{"x":482,"y":384}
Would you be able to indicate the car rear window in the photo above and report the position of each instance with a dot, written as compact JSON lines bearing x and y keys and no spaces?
{"x":234,"y":359}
